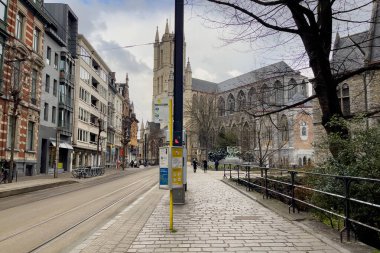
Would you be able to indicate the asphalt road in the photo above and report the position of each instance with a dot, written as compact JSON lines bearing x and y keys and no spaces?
{"x":57,"y":219}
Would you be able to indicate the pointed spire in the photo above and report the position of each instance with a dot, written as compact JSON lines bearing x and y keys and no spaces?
{"x":167,"y":27}
{"x":157,"y":37}
{"x":188,"y":67}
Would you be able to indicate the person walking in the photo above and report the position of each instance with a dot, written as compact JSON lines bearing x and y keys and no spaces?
{"x":194,"y":165}
{"x":216,"y":164}
{"x":205,"y":165}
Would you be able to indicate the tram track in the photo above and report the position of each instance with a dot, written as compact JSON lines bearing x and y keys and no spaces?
{"x":93,"y":207}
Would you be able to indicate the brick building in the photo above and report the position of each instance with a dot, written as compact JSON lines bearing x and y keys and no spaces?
{"x":22,"y":71}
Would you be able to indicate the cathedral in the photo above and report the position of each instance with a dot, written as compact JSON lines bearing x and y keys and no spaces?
{"x":245,"y":112}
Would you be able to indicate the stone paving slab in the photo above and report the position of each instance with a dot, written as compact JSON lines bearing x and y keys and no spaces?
{"x":217,"y":218}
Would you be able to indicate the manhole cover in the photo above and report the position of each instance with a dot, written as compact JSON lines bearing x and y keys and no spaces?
{"x":246,"y":217}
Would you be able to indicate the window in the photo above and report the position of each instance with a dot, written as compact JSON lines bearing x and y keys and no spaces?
{"x":16,"y":75}
{"x":55,"y":87}
{"x":84,"y":75}
{"x":47,"y":83}
{"x":85,"y":55}
{"x":292,"y":88}
{"x":33,"y":90}
{"x":82,"y":135}
{"x":53,"y":114}
{"x":84,"y":115}
{"x":265,"y":94}
{"x":19,"y":26}
{"x":231,"y":104}
{"x":252,"y":97}
{"x":48,"y":55}
{"x":221,"y":106}
{"x":279,"y":91}
{"x":30,"y":140}
{"x":56,"y":61}
{"x":11,"y":128}
{"x":46,"y":112}
{"x":344,"y":99}
{"x":303,"y":130}
{"x":36,"y":39}
{"x":241,"y":101}
{"x":3,"y":9}
{"x":245,"y":137}
{"x":84,"y":95}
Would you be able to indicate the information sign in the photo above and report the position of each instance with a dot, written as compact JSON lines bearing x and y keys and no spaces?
{"x":161,"y":110}
{"x":177,"y":166}
{"x":164,"y":168}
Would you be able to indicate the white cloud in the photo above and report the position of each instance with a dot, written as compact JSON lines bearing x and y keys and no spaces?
{"x":110,"y":23}
{"x":234,"y":73}
{"x":204,"y":74}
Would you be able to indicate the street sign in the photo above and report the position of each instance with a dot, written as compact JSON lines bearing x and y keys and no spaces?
{"x":164,"y":168}
{"x":161,"y":110}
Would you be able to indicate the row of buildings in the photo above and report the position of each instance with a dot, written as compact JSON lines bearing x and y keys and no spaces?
{"x":60,"y":104}
{"x":213,"y":112}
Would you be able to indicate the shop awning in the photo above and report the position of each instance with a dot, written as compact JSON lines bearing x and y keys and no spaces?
{"x":62,"y":145}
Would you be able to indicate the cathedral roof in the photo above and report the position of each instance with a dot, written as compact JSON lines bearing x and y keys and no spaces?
{"x":350,"y":52}
{"x":203,"y":86}
{"x":270,"y":71}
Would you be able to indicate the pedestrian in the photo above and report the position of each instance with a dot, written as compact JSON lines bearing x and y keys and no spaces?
{"x":205,"y":165}
{"x":194,"y":165}
{"x":216,"y":164}
{"x":4,"y":174}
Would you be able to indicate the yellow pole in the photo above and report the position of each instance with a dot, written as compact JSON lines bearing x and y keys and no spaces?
{"x":170,"y":146}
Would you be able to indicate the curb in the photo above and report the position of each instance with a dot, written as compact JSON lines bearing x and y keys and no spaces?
{"x":33,"y":188}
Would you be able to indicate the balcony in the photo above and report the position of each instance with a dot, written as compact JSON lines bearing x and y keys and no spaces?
{"x":66,"y":77}
{"x":65,"y":102}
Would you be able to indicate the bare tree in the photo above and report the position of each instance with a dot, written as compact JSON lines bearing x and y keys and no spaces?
{"x":312,"y":22}
{"x":15,"y":94}
{"x":202,"y":115}
{"x":101,"y":128}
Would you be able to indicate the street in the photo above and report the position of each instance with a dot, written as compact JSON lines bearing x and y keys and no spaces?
{"x":56,"y":219}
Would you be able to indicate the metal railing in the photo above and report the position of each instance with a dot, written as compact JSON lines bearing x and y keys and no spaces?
{"x":268,"y":180}
{"x":86,"y":172}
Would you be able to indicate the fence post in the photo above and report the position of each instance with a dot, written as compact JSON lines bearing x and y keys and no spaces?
{"x":230,"y":172}
{"x":266,"y":182}
{"x":224,"y":171}
{"x":347,"y":223}
{"x":293,"y":203}
{"x":249,"y":179}
{"x":238,"y":169}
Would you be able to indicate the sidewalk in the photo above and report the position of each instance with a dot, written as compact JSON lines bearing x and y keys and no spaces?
{"x":26,"y":184}
{"x":215,"y":218}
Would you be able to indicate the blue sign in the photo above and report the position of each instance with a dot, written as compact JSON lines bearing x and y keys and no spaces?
{"x":164,"y":176}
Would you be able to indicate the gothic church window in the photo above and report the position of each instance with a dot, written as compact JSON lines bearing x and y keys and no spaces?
{"x":292,"y":88}
{"x":264,"y":94}
{"x":303,"y":130}
{"x":344,"y":99}
{"x":241,"y":101}
{"x":303,"y":88}
{"x":231,"y":104}
{"x":279,"y":91}
{"x":252,"y":97}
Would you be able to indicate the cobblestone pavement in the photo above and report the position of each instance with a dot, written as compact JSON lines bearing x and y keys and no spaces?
{"x":216,"y":218}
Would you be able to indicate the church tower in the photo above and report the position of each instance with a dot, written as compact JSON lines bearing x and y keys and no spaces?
{"x":163,"y":66}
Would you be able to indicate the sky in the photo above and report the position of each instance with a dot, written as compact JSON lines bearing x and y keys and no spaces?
{"x":110,"y":25}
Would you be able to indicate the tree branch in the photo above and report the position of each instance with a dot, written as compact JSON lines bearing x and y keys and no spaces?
{"x":342,"y":77}
{"x":257,"y":18}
